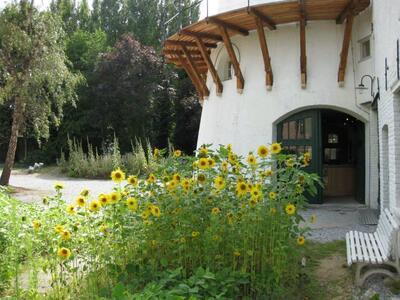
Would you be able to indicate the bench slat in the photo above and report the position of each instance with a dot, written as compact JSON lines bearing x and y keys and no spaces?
{"x":381,"y":247}
{"x":352,"y":247}
{"x":348,"y":249}
{"x":392,"y":219}
{"x":369,"y":247}
{"x":364,"y":250}
{"x":375,"y":246}
{"x":358,"y":247}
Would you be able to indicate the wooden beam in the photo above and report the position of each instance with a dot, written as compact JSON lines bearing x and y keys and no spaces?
{"x":303,"y":56}
{"x":177,"y":52}
{"x":269,"y":79}
{"x":348,"y":10}
{"x":265,"y":20}
{"x":196,"y":73}
{"x":211,"y":68}
{"x":232,"y":27}
{"x":187,"y":44}
{"x":192,"y":77}
{"x":175,"y":58}
{"x":345,"y":49}
{"x":234,"y":61}
{"x":201,"y":35}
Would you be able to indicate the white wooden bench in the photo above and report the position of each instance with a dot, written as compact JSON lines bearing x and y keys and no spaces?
{"x":375,"y":253}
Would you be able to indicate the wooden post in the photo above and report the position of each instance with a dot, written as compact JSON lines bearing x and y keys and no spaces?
{"x":265,"y":53}
{"x":345,"y":49}
{"x":192,"y":77}
{"x":195,"y":72}
{"x":234,"y":61}
{"x":210,"y":65}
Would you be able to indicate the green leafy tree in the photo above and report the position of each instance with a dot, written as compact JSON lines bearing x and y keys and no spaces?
{"x":36,"y":79}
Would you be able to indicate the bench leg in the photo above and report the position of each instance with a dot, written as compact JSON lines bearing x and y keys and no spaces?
{"x":361,"y":278}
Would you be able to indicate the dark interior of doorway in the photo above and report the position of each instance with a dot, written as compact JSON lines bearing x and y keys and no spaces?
{"x":343,"y":157}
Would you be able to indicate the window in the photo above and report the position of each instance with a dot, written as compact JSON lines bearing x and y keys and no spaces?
{"x":333,"y":138}
{"x":224,"y":65}
{"x":365,"y":48}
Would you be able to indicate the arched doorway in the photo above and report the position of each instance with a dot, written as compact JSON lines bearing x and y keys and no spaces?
{"x":336,"y":142}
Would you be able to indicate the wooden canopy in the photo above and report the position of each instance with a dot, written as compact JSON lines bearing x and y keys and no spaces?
{"x":190,"y":47}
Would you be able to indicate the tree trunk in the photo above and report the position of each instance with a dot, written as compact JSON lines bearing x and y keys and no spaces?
{"x":12,"y":145}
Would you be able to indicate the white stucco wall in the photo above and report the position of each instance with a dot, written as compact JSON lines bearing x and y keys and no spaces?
{"x":249,"y":119}
{"x":386,"y":18}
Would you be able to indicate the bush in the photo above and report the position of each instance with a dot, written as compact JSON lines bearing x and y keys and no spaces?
{"x":211,"y":226}
{"x":88,"y":163}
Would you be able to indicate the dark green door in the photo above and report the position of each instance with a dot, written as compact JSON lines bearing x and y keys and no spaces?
{"x":301,"y":133}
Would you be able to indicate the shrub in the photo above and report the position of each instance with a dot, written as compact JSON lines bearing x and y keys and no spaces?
{"x":213,"y":226}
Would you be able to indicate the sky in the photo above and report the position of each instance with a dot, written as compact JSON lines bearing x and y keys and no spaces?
{"x":41,"y":4}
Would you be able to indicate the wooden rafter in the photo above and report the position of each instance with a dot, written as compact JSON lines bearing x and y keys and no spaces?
{"x":345,"y":49}
{"x":196,"y":73}
{"x":269,"y":79}
{"x":177,"y":52}
{"x":233,"y":58}
{"x":303,"y":56}
{"x":210,"y":65}
{"x":232,"y":27}
{"x":201,"y":35}
{"x":188,"y":44}
{"x":265,"y":20}
{"x":194,"y":58}
{"x":347,"y":11}
{"x":192,"y":77}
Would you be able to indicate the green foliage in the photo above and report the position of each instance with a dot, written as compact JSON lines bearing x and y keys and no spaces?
{"x":188,"y":230}
{"x":89,"y":163}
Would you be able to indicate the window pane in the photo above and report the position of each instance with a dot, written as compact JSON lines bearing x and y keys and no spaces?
{"x":300,"y":129}
{"x":292,"y":130}
{"x":308,"y":128}
{"x":285,"y":131}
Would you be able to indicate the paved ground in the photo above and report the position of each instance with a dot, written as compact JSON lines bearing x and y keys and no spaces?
{"x":32,"y":187}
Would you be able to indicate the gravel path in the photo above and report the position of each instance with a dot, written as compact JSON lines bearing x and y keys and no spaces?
{"x":32,"y":187}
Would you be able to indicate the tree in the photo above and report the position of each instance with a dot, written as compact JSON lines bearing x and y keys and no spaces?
{"x":124,"y":84}
{"x":36,"y":79}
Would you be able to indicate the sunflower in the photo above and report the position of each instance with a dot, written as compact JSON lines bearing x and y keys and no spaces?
{"x":268,"y":173}
{"x":229,"y":147}
{"x":145,"y":215}
{"x":65,"y":235}
{"x":299,"y":189}
{"x":176,"y":177}
{"x":253,"y":202}
{"x":255,"y":193}
{"x":224,"y":166}
{"x":58,"y":186}
{"x":59,"y":228}
{"x":85,"y":192}
{"x":230,"y":216}
{"x":103,"y":229}
{"x":71,"y":209}
{"x":195,"y":234}
{"x":115,"y":197}
{"x":289,"y":162}
{"x":185,"y":183}
{"x":232,"y":158}
{"x":95,"y":206}
{"x":215,"y":211}
{"x":104,"y":199}
{"x":182,"y":240}
{"x":276,"y":148}
{"x":241,"y":188}
{"x":64,"y":253}
{"x":36,"y":224}
{"x":251,"y":159}
{"x":171,"y":185}
{"x":201,"y":178}
{"x":290,"y":209}
{"x":236,"y":253}
{"x":151,"y":178}
{"x":306,"y":158}
{"x":262,"y":151}
{"x":203,"y":151}
{"x":117,"y":175}
{"x":133,"y":180}
{"x":80,"y":201}
{"x":272,"y":210}
{"x":211,"y":162}
{"x":219,"y":183}
{"x":155,"y":211}
{"x":272,"y":195}
{"x":203,"y":163}
{"x":177,"y":153}
{"x":156,"y":152}
{"x":301,"y":240}
{"x":132,"y":204}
